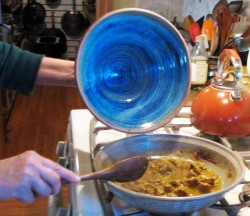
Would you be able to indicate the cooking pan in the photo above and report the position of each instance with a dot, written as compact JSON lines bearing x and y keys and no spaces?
{"x":52,"y":41}
{"x":215,"y":156}
{"x":74,"y":22}
{"x":33,"y":13}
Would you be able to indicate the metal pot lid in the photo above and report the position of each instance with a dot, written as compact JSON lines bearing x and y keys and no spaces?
{"x":133,"y":70}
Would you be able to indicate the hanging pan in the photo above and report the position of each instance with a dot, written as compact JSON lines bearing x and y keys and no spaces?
{"x":74,"y":22}
{"x":33,"y":13}
{"x":51,"y":1}
{"x":52,"y":41}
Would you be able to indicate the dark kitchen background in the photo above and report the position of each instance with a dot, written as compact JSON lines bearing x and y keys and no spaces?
{"x":34,"y":21}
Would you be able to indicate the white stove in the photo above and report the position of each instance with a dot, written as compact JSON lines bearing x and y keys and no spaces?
{"x":92,"y":198}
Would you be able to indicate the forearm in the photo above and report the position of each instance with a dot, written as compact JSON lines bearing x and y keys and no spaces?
{"x":18,"y":68}
{"x":56,"y":72}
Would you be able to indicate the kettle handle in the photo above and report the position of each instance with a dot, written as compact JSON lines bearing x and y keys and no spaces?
{"x":224,"y":63}
{"x":248,"y":63}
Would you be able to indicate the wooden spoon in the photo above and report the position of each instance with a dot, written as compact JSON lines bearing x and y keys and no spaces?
{"x":194,"y":30}
{"x":214,"y":43}
{"x":188,"y":21}
{"x":223,"y":17}
{"x":126,"y":170}
{"x":209,"y":28}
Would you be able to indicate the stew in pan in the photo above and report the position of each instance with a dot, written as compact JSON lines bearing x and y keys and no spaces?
{"x":176,"y":177}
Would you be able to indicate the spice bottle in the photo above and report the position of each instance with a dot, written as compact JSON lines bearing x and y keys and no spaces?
{"x":199,"y":64}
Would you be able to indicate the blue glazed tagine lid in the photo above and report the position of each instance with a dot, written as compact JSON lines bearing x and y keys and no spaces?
{"x":133,"y":70}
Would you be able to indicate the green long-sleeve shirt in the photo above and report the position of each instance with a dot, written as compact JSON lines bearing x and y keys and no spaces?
{"x":18,"y":68}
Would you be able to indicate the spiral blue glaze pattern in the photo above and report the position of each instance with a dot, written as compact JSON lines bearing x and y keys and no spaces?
{"x":133,"y":70}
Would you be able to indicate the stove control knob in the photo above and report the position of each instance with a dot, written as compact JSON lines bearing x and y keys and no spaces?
{"x":61,"y":149}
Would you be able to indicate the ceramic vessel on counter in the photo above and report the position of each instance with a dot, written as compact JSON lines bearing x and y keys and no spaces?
{"x":223,"y":108}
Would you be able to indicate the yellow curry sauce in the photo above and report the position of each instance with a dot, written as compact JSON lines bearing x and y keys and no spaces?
{"x":175,"y":177}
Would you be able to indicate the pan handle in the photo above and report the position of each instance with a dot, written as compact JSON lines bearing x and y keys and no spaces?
{"x":234,"y":207}
{"x":225,"y":206}
{"x":74,"y":4}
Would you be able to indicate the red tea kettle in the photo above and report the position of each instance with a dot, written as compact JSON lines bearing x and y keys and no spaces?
{"x":223,"y":107}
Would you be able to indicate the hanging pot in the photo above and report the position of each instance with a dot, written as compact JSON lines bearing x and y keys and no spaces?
{"x":74,"y":22}
{"x":52,"y":41}
{"x":33,"y":13}
{"x":223,"y":108}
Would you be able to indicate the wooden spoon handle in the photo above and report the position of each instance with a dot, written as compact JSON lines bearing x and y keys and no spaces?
{"x":102,"y":174}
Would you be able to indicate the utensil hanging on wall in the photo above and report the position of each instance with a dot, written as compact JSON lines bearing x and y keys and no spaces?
{"x":91,"y":5}
{"x":200,"y":21}
{"x":188,"y":21}
{"x":74,"y":22}
{"x":194,"y":30}
{"x":235,"y":6}
{"x":224,"y":19}
{"x":33,"y":13}
{"x":208,"y":28}
{"x":52,"y":41}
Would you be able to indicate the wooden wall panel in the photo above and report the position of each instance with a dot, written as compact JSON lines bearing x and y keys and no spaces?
{"x":103,"y":7}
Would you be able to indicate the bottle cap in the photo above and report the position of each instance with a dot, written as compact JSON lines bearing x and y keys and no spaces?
{"x":199,"y":38}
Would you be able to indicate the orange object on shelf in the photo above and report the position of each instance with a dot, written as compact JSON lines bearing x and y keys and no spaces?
{"x":209,"y":28}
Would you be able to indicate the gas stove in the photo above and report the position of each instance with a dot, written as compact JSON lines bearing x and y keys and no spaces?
{"x":85,"y":135}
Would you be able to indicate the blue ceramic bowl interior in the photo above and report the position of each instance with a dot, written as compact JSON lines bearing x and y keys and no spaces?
{"x":133,"y":70}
